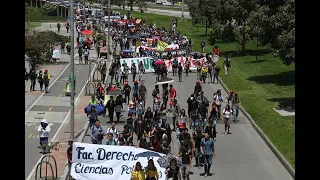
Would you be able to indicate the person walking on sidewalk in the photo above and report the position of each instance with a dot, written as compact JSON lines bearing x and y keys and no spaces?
{"x":44,"y":130}
{"x":216,"y":73}
{"x":96,"y":133}
{"x":226,"y":64}
{"x":103,"y":72}
{"x":80,"y":52}
{"x":40,"y":80}
{"x":46,"y":80}
{"x":33,"y":78}
{"x":86,"y":55}
{"x":58,"y":26}
{"x":67,"y":27}
{"x":203,"y":44}
{"x":208,"y":151}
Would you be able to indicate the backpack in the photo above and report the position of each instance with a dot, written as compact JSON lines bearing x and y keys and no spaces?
{"x":40,"y":77}
{"x":46,"y":77}
{"x":154,"y":93}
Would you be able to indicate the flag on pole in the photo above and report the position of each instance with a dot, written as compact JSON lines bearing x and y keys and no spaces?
{"x":161,"y":46}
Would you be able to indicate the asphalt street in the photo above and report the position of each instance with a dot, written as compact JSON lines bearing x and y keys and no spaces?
{"x":242,"y":155}
{"x":56,"y":105}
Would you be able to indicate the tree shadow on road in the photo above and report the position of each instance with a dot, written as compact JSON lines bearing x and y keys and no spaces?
{"x":248,"y":52}
{"x":281,"y":79}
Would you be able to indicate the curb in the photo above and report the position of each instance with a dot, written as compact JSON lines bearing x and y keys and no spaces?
{"x":275,"y":151}
{"x":82,"y":135}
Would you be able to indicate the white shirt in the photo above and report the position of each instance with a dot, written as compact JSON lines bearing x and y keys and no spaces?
{"x":226,"y":113}
{"x":44,"y":132}
{"x":217,"y":99}
{"x":113,"y":131}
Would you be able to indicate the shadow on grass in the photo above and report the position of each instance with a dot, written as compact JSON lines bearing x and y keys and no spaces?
{"x":287,"y":104}
{"x":281,"y":79}
{"x":254,"y":61}
{"x":249,"y":52}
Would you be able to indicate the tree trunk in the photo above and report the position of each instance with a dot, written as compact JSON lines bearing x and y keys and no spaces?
{"x":257,"y":51}
{"x":206,"y":27}
{"x":243,"y":42}
{"x":36,"y":3}
{"x":31,"y":3}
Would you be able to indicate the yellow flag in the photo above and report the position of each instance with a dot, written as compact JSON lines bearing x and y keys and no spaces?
{"x":161,"y":46}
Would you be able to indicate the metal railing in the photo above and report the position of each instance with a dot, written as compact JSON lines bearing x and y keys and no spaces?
{"x":46,"y":159}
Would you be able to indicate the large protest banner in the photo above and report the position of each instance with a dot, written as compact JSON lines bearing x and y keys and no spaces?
{"x":147,"y":62}
{"x":107,"y":162}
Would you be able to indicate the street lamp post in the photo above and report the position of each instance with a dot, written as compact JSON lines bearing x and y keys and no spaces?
{"x":72,"y":70}
{"x":109,"y":8}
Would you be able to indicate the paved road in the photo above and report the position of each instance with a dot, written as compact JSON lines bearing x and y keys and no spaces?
{"x":161,"y":12}
{"x":55,"y":105}
{"x":241,"y":155}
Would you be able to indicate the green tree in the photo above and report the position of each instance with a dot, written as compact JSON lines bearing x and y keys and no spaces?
{"x":38,"y":46}
{"x":142,"y":5}
{"x":50,"y":9}
{"x":274,"y":24}
{"x":130,"y":4}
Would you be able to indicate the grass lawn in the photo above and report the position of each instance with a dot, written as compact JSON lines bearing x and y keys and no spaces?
{"x":176,"y":8}
{"x":31,"y":25}
{"x":261,"y":85}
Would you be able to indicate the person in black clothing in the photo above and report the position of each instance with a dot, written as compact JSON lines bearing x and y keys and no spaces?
{"x":155,"y":91}
{"x":197,"y":136}
{"x":127,"y":133}
{"x":211,"y":130}
{"x":216,"y":73}
{"x":185,"y":153}
{"x":191,"y":101}
{"x":197,"y":88}
{"x":139,"y":127}
{"x":69,"y":157}
{"x":33,"y":78}
{"x":111,"y":104}
{"x":117,"y":109}
{"x":173,"y":170}
{"x":127,"y":90}
{"x":180,"y":69}
{"x":40,"y":80}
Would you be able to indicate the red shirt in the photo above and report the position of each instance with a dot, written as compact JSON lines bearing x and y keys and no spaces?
{"x":216,"y":51}
{"x":172,"y":92}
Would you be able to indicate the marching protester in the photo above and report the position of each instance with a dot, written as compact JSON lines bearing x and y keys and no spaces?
{"x":97,"y":133}
{"x":208,"y":151}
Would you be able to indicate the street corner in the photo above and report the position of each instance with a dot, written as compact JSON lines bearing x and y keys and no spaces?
{"x":33,"y":93}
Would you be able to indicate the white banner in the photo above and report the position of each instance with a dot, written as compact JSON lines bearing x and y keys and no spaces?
{"x":147,"y":62}
{"x":107,"y":162}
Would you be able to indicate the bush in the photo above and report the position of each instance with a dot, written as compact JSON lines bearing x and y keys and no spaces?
{"x":50,"y":9}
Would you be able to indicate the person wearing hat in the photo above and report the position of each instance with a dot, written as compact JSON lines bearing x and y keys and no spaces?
{"x":44,"y":130}
{"x":46,"y":80}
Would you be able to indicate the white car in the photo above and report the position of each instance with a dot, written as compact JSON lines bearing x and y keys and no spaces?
{"x":167,"y":3}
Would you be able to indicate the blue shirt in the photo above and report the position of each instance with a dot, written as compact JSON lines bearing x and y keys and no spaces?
{"x":95,"y":130}
{"x":135,"y":89}
{"x":175,"y":62}
{"x":207,"y":146}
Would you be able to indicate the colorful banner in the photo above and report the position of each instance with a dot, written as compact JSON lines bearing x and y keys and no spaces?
{"x":161,"y":46}
{"x":169,"y":47}
{"x":107,"y":162}
{"x":147,"y":62}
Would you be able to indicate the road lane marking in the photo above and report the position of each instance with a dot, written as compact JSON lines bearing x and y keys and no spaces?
{"x":64,"y":90}
{"x":60,"y":95}
{"x":35,"y":102}
{"x":77,"y":72}
{"x":63,"y":122}
{"x":50,"y":108}
{"x":55,"y":101}
{"x":35,"y":128}
{"x":30,"y":135}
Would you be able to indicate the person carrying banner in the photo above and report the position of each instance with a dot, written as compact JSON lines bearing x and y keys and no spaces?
{"x":151,"y":171}
{"x":138,"y":173}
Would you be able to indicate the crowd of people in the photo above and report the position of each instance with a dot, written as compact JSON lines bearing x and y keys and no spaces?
{"x":193,"y":129}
